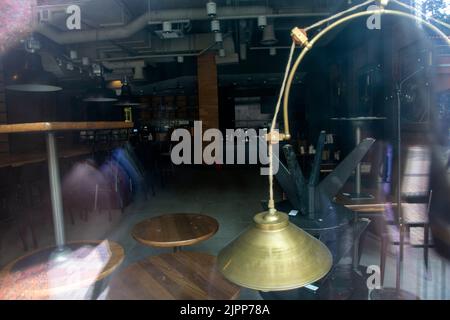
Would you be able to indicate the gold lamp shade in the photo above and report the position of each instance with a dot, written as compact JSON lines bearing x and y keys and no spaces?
{"x":274,"y":255}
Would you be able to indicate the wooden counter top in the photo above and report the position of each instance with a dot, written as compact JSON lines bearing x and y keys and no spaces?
{"x":63,"y":126}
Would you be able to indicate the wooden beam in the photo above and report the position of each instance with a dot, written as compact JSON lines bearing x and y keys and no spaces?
{"x":208,"y":91}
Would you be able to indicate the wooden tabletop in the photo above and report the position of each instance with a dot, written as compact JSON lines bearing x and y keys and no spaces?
{"x":172,"y":276}
{"x":381,"y":199}
{"x":37,"y":276}
{"x":175,"y":230}
{"x":413,"y":213}
{"x":63,"y":126}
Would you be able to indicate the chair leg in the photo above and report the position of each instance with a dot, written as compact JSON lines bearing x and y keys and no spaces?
{"x":426,"y":236}
{"x":33,"y":236}
{"x":383,"y":253}
{"x":22,"y":236}
{"x":362,"y":239}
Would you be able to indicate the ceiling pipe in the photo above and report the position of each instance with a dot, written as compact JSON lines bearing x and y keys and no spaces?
{"x":189,"y":43}
{"x":158,"y":17}
{"x":187,"y":47}
{"x":137,"y":66}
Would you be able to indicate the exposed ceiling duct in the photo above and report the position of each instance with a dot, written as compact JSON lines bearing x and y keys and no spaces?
{"x":158,"y":17}
{"x":137,"y":67}
{"x":190,"y":45}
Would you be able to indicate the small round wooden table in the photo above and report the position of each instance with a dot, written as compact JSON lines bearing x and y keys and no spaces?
{"x":182,"y":275}
{"x":38,"y":276}
{"x":175,"y":230}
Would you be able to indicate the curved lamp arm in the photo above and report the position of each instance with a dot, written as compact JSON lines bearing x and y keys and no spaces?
{"x":309,"y":45}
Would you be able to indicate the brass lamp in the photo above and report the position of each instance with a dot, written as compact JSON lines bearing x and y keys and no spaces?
{"x":273,"y":254}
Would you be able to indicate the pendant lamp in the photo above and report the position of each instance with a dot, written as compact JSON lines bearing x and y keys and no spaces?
{"x":100,"y":93}
{"x":126,"y":98}
{"x":274,"y":254}
{"x":32,"y":77}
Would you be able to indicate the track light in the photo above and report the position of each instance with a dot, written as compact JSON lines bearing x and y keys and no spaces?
{"x":167,"y":27}
{"x":215,"y":25}
{"x":262,"y":22}
{"x":211,"y":8}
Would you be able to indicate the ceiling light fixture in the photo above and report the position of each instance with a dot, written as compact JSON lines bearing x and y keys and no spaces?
{"x":127,"y":99}
{"x":211,"y":8}
{"x":32,"y":77}
{"x":167,"y":27}
{"x":262,"y":22}
{"x":268,"y":37}
{"x":215,"y":25}
{"x":100,"y":93}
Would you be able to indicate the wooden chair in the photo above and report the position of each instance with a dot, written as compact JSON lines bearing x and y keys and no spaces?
{"x":415,"y":216}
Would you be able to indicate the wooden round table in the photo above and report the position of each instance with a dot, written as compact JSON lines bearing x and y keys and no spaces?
{"x":175,"y":230}
{"x":181,"y":275}
{"x":37,"y":276}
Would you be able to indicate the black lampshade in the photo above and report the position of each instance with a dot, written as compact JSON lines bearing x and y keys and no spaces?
{"x":100,"y":93}
{"x":126,"y":98}
{"x":32,"y":77}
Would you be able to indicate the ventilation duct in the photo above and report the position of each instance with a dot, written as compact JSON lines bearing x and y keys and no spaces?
{"x":158,"y":17}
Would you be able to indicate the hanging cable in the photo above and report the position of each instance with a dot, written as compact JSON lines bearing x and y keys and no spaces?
{"x":272,"y":127}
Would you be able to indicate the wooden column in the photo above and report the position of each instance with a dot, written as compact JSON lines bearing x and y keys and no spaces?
{"x":4,"y":139}
{"x":208,"y":98}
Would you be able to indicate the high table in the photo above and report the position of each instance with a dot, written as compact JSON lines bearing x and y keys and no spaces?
{"x":175,"y":230}
{"x":173,"y":276}
{"x":62,"y":252}
{"x":358,"y":122}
